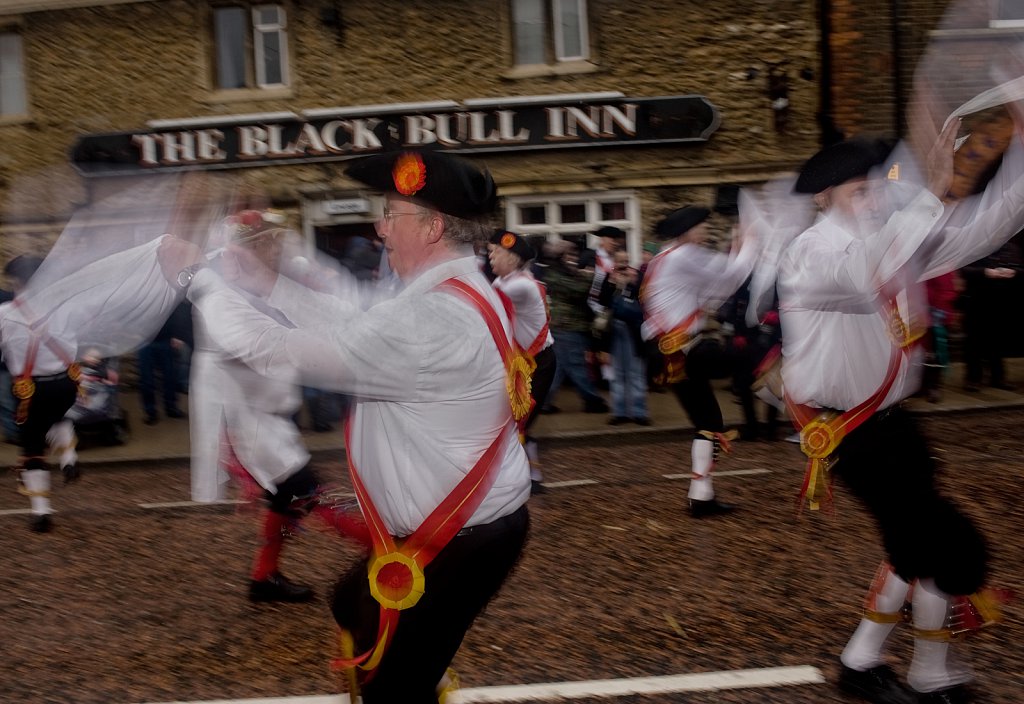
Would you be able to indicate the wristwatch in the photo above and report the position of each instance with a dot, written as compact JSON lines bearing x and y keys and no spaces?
{"x":186,"y":275}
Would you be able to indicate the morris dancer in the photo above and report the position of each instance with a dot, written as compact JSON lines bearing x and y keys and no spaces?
{"x":433,"y":445}
{"x":679,"y":282}
{"x":510,"y":256}
{"x":853,"y":308}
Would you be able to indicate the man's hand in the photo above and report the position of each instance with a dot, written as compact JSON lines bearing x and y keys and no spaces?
{"x":174,"y":255}
{"x":940,"y":160}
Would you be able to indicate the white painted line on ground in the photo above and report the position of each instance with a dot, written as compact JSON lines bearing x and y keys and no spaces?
{"x":16,"y":512}
{"x":728,"y":473}
{"x":192,"y":504}
{"x":569,"y":482}
{"x":697,"y":682}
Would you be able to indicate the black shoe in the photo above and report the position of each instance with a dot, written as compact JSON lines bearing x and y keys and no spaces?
{"x":175,"y":413}
{"x":643,"y":420}
{"x":150,"y":419}
{"x":959,"y":694}
{"x":618,"y":420}
{"x":41,"y":523}
{"x":878,"y":685}
{"x":537,"y":488}
{"x":71,"y":473}
{"x":598,"y":406}
{"x":277,"y":587}
{"x":713,"y":507}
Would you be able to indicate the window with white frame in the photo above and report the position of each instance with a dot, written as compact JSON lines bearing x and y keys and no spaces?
{"x":575,"y":217}
{"x":250,"y":46}
{"x":549,"y":31}
{"x":13,"y":94}
{"x":1007,"y":13}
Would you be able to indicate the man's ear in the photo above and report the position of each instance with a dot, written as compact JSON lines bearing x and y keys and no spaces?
{"x":823,"y":199}
{"x":436,"y":231}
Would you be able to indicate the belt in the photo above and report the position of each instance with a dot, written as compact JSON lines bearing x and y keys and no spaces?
{"x":496,"y":524}
{"x":51,"y":377}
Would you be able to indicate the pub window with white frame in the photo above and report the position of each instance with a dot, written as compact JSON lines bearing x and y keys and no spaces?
{"x":13,"y":93}
{"x":575,"y":217}
{"x":1007,"y":13}
{"x":251,"y":46}
{"x":549,"y":31}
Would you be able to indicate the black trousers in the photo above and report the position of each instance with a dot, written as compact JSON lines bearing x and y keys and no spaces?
{"x":459,"y":583}
{"x":540,"y":383}
{"x":49,"y":403}
{"x":886,"y":464}
{"x":706,"y":361}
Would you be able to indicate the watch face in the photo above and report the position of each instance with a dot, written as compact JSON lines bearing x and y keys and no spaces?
{"x":184,"y":278}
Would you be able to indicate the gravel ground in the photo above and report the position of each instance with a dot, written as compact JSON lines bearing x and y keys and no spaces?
{"x":123,"y":604}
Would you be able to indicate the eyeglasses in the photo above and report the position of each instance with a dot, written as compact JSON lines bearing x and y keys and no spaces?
{"x":389,"y":215}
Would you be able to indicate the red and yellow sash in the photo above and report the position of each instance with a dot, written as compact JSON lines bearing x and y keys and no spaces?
{"x":822,"y":431}
{"x":23,"y":387}
{"x":396,"y":571}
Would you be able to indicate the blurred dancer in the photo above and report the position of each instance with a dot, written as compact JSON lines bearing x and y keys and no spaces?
{"x":854,"y":307}
{"x":45,"y":383}
{"x":679,"y":282}
{"x":433,"y":446}
{"x":510,"y":257}
{"x":244,"y":422}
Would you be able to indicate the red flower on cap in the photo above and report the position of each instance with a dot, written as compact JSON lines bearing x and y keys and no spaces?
{"x":409,"y":174}
{"x":508,"y":240}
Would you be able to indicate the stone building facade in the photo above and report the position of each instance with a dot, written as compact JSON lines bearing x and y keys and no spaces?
{"x":751,"y":89}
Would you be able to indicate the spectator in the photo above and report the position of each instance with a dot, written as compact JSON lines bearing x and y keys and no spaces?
{"x":620,"y":293}
{"x":159,"y":358}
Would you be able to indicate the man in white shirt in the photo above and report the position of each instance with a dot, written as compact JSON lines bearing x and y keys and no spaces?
{"x":430,"y":372}
{"x":678,"y":284}
{"x":853,"y":306}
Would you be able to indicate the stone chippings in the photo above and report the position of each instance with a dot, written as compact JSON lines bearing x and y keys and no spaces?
{"x":123,"y":605}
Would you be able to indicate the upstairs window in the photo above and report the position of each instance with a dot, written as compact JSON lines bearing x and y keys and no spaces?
{"x":13,"y":95}
{"x":1008,"y":13}
{"x":251,"y":45}
{"x":549,"y":31}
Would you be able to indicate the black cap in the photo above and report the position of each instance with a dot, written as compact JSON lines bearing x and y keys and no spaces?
{"x":841,"y":162}
{"x":679,"y":221}
{"x":514,"y":243}
{"x":611,"y":231}
{"x":446,"y":183}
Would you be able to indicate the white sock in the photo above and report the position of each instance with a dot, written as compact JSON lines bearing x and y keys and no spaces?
{"x":702,"y":459}
{"x":933,"y":667}
{"x":534,"y":456}
{"x":864,"y":649}
{"x":61,"y":437}
{"x":37,"y":484}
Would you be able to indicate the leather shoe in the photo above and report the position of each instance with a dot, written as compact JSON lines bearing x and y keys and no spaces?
{"x":277,"y":587}
{"x":41,"y":523}
{"x":878,"y":685}
{"x":71,"y":473}
{"x":712,"y":507}
{"x":642,"y":420}
{"x":958,"y":694}
{"x":618,"y":420}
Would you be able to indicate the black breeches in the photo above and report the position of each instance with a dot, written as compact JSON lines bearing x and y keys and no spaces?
{"x":540,"y":383}
{"x":706,"y":361}
{"x":459,"y":583}
{"x":887,"y":465}
{"x":295,"y":492}
{"x":48,"y":404}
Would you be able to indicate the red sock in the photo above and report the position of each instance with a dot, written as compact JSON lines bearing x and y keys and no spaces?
{"x":270,"y":551}
{"x":349,"y":525}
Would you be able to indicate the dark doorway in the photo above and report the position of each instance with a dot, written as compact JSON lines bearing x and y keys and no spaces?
{"x":356,"y":246}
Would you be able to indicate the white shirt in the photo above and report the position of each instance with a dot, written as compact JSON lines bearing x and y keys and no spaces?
{"x":836,"y":347}
{"x":531,"y":311}
{"x":428,"y":381}
{"x":682,"y":279}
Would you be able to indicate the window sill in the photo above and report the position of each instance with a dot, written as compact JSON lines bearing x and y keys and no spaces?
{"x":564,"y":68}
{"x":243,"y":95}
{"x":20,"y":119}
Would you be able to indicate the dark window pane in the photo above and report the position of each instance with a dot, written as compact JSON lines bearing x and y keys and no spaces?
{"x":613,"y":211}
{"x":532,"y":214}
{"x":230,"y":26}
{"x":573,"y":212}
